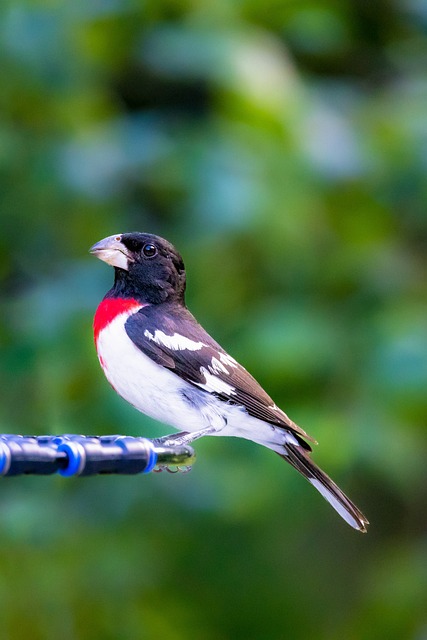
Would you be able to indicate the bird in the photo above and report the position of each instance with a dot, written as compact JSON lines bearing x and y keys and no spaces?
{"x":157,"y":356}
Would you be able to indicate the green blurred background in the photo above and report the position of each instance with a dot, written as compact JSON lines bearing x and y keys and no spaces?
{"x":282,"y":146}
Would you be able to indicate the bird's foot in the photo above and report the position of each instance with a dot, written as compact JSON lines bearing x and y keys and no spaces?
{"x":183,"y":437}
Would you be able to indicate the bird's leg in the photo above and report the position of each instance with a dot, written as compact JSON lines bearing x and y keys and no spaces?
{"x":184,"y":437}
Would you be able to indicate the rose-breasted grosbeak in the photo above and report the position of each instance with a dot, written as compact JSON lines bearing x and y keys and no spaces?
{"x":158,"y":358}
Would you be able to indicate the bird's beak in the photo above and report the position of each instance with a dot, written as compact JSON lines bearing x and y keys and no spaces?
{"x":112,"y":251}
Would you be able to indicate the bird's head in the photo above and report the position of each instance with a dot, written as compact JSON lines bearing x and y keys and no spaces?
{"x":146,"y":267}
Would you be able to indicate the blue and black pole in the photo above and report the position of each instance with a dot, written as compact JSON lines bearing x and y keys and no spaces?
{"x":76,"y":455}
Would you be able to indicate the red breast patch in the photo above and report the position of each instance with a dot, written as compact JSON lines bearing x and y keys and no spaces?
{"x":109,"y":309}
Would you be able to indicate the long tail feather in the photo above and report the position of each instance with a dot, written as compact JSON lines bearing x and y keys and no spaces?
{"x":301,"y":461}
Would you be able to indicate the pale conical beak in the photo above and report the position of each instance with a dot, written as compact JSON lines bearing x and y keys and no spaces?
{"x":112,"y":251}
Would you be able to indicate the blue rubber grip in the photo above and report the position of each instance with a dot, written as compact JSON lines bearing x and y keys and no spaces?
{"x":76,"y":458}
{"x":4,"y":458}
{"x":152,"y":460}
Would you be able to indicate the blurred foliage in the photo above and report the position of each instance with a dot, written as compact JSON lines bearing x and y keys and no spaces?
{"x":282,"y":147}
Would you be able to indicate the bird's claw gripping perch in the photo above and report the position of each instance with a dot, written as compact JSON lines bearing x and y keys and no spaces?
{"x":183,"y":438}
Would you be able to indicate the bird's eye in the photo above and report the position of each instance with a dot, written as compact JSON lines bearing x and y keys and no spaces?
{"x":149,"y":250}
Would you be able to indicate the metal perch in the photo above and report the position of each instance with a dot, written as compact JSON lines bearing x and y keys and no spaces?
{"x":77,"y":455}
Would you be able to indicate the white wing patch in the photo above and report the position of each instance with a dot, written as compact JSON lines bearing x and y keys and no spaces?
{"x":213,"y":384}
{"x":228,"y":360}
{"x":219,"y":365}
{"x":216,"y":366}
{"x":176,"y":342}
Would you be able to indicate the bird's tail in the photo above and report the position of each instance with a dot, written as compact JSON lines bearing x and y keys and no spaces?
{"x":300,"y":459}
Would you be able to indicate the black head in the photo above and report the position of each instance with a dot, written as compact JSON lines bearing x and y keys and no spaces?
{"x":146,"y":267}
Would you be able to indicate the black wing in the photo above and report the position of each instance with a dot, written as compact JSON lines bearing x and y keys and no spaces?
{"x":173,"y":339}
